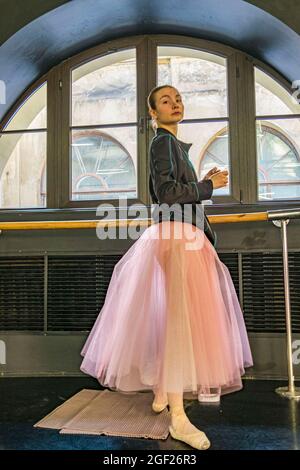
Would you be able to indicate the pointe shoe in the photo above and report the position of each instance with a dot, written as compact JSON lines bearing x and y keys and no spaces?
{"x":198,"y":440}
{"x":159,"y":407}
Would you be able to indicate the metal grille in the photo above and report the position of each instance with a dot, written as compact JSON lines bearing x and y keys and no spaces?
{"x":77,"y":287}
{"x":263,"y":292}
{"x":69,"y":294}
{"x":21,"y":293}
{"x":231,"y":261}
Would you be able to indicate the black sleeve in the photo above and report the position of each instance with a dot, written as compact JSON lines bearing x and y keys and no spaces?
{"x":163,"y":171}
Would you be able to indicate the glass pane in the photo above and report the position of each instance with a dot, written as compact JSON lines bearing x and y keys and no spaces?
{"x":210,"y":148}
{"x":33,"y":112}
{"x":104,"y":90}
{"x":272,"y":98}
{"x":23,"y":170}
{"x":278,"y":154}
{"x":104,"y":163}
{"x":200,"y":78}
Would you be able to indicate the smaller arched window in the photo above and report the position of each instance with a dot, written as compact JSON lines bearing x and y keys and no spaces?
{"x":277,"y":162}
{"x":215,"y":153}
{"x":101,"y":167}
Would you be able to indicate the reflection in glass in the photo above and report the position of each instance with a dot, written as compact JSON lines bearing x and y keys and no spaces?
{"x":210,"y":148}
{"x":102,"y":166}
{"x":278,"y":144}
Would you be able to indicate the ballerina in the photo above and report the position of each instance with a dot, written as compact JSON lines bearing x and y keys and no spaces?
{"x":171,"y":321}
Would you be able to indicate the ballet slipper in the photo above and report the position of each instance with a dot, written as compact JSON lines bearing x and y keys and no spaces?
{"x":198,"y":440}
{"x":159,"y":407}
{"x":160,"y":401}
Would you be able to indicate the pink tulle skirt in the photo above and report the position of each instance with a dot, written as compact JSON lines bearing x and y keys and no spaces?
{"x":171,"y":318}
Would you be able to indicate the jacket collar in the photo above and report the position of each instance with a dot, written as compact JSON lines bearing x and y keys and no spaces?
{"x":185,"y":145}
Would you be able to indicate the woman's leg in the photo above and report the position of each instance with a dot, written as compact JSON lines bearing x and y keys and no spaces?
{"x":160,"y":401}
{"x":181,"y":428}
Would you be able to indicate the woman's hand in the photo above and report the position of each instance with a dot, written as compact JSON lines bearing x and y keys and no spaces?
{"x":211,"y":172}
{"x":219,"y":179}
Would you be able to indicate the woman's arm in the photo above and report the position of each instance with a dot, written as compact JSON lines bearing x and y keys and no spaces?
{"x":164,"y":173}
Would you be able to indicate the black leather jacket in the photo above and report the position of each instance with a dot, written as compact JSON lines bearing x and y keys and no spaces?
{"x":173,"y":180}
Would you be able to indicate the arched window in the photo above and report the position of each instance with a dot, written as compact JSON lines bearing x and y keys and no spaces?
{"x":81,"y":135}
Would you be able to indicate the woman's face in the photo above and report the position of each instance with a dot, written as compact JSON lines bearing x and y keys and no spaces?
{"x":169,"y":106}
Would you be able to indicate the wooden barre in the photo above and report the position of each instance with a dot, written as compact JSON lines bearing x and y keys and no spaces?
{"x":84,"y":224}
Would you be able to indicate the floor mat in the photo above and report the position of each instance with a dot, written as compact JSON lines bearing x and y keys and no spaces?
{"x":111,"y":413}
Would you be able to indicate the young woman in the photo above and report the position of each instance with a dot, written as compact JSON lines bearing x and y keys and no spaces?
{"x":171,"y":321}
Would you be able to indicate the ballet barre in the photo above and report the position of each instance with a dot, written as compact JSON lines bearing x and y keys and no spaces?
{"x":88,"y":224}
{"x":280,"y":218}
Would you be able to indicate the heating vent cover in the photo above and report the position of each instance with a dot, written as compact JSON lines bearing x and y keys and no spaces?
{"x":77,"y":287}
{"x":22,"y":293}
{"x":231,"y":261}
{"x":263,"y":292}
{"x":66,"y":293}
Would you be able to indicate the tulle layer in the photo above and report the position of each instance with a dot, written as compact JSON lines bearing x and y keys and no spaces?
{"x":171,"y":318}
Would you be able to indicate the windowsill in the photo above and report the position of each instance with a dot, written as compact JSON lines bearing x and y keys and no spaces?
{"x":79,"y":213}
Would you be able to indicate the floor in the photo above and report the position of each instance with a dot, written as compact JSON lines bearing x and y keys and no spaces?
{"x":254,"y":418}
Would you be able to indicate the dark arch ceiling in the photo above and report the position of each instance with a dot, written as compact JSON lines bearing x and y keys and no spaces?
{"x":79,"y":24}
